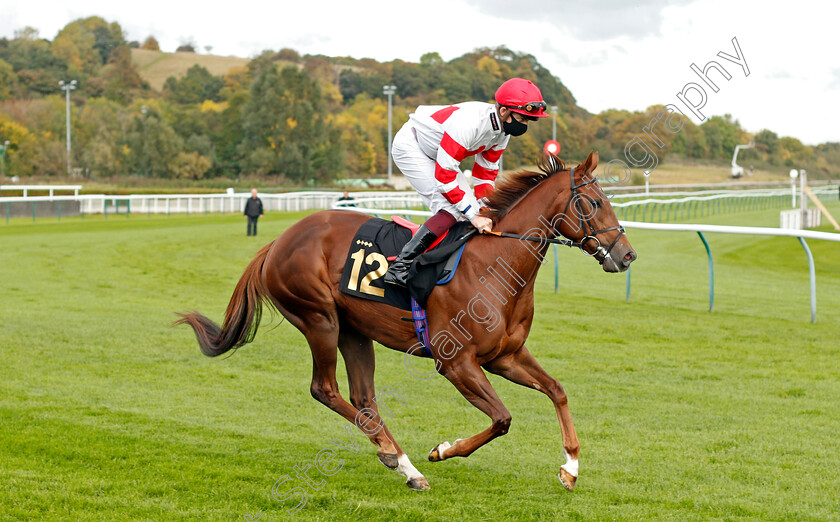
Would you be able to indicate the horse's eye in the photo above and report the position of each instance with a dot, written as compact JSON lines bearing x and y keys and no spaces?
{"x":596,"y":203}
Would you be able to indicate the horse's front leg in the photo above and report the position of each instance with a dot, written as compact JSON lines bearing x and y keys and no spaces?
{"x":521,"y":367}
{"x":470,"y":380}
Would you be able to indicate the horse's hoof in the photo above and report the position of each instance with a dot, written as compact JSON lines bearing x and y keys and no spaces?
{"x":438,"y":451}
{"x":567,"y":479}
{"x":389,"y":460}
{"x":418,"y":484}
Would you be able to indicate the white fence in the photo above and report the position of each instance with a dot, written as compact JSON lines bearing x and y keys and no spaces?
{"x":660,"y":197}
{"x":193,"y":203}
{"x":761,"y":231}
{"x":667,"y":206}
{"x":49,"y":188}
{"x":640,"y":190}
{"x":222,"y":203}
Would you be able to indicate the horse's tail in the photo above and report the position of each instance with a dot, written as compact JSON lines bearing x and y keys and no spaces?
{"x":242,"y":317}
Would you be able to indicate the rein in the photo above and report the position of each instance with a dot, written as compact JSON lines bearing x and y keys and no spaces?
{"x":552,"y":240}
{"x":587,"y":227}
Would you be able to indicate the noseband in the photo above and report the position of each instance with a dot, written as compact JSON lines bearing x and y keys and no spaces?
{"x":586,"y":225}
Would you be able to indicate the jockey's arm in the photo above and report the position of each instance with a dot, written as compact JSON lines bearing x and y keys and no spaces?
{"x":485,"y":171}
{"x":447,"y":167}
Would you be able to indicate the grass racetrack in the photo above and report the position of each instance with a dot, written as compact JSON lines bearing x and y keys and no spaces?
{"x":108,"y":413}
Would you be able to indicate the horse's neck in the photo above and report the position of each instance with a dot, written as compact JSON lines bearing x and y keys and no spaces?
{"x":533,"y":215}
{"x":538,"y":208}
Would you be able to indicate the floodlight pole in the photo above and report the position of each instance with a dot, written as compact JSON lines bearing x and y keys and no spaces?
{"x":67,"y":87}
{"x":389,"y":90}
{"x":5,"y":148}
{"x":554,"y":122}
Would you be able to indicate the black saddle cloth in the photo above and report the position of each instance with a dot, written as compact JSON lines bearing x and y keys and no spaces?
{"x":378,"y":239}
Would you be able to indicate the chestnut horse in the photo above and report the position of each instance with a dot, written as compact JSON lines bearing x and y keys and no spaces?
{"x":299,"y":274}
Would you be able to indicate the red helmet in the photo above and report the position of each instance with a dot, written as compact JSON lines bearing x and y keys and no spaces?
{"x":522,"y":96}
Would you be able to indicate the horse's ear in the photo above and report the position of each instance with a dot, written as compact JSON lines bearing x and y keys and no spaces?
{"x":591,"y":162}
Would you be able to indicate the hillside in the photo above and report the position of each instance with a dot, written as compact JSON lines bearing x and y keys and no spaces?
{"x":156,"y":66}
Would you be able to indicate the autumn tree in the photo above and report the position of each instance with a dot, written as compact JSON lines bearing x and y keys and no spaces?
{"x":195,"y":87}
{"x":123,"y":82}
{"x":408,"y":78}
{"x":793,"y":153}
{"x":21,"y":155}
{"x":98,"y":133}
{"x":186,"y":47}
{"x":189,"y":165}
{"x":37,"y":68}
{"x":285,"y":129}
{"x":150,"y":44}
{"x":349,"y":84}
{"x":722,"y":135}
{"x":74,"y":43}
{"x":767,"y":145}
{"x":152,"y":146}
{"x":288,"y":55}
{"x":8,"y":80}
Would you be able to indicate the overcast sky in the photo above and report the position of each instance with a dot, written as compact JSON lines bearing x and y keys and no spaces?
{"x":611,"y":54}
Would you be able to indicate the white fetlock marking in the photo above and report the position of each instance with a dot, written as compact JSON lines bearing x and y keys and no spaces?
{"x":442,"y":447}
{"x":405,"y":468}
{"x":571,"y":465}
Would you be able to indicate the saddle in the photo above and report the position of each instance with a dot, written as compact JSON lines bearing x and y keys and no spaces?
{"x":379,"y":241}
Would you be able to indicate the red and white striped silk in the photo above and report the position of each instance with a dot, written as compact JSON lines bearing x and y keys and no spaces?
{"x":448,"y":134}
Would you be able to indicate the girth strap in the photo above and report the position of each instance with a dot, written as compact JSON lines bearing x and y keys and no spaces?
{"x":421,"y":326}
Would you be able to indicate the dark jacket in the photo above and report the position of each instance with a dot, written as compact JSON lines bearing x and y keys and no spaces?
{"x":253,"y":207}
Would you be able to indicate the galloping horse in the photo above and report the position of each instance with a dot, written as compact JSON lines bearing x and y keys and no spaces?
{"x":299,"y":274}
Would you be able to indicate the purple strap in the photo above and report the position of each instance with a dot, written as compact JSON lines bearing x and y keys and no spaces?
{"x":421,"y":326}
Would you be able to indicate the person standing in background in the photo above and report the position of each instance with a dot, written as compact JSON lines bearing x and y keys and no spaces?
{"x":253,"y":209}
{"x":347,"y":197}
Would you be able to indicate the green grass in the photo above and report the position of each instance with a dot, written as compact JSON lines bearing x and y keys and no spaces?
{"x":107,"y":413}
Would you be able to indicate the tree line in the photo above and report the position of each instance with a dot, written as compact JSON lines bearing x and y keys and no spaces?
{"x":295,"y":119}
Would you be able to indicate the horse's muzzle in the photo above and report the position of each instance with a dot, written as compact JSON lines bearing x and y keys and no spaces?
{"x":619,"y":258}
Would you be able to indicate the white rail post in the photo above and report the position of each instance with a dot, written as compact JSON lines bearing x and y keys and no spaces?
{"x":803,"y":202}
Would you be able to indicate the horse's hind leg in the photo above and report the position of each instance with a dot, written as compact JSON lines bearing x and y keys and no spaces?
{"x":359,"y":359}
{"x":324,"y":387}
{"x":323,"y":343}
{"x":521,"y":367}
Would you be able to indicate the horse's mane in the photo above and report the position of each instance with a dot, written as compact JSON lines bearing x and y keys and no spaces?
{"x":513,"y":187}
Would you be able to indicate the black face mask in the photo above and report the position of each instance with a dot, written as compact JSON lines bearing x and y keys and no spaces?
{"x":514,"y":127}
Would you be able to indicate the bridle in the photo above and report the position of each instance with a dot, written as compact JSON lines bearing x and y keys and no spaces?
{"x":586,"y":225}
{"x":583,"y":222}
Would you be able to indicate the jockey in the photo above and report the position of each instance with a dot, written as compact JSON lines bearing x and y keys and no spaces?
{"x":429,"y":148}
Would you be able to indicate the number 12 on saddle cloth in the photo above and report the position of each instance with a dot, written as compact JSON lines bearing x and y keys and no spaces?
{"x":367,"y":261}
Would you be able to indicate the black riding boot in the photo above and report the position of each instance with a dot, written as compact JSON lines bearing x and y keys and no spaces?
{"x":397,"y":273}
